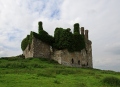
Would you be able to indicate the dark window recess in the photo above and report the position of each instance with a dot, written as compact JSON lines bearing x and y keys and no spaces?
{"x":72,"y":61}
{"x":78,"y":62}
{"x":87,"y":63}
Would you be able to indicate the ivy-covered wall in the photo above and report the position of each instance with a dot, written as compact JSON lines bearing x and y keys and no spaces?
{"x":41,"y":35}
{"x":79,"y":42}
{"x":26,"y":41}
{"x":63,"y":38}
{"x":76,"y":28}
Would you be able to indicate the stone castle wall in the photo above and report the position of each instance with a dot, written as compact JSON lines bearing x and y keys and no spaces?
{"x":28,"y":52}
{"x":89,"y":52}
{"x":37,"y":49}
{"x":66,"y":58}
{"x":41,"y":49}
{"x":77,"y":59}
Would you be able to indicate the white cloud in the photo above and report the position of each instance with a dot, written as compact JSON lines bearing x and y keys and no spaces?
{"x":101,"y":18}
{"x":113,"y":48}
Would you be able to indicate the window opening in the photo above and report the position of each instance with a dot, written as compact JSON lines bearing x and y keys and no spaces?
{"x":78,"y":62}
{"x":72,"y":61}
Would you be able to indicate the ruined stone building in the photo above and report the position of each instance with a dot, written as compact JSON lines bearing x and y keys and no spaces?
{"x":38,"y":48}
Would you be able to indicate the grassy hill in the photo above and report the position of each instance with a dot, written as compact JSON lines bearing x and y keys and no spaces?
{"x":37,"y":72}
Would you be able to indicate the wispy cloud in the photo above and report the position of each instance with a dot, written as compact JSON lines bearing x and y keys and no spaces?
{"x":18,"y":18}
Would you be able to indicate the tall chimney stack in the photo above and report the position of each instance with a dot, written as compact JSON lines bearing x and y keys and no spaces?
{"x":86,"y":34}
{"x":82,"y":30}
{"x":40,"y":26}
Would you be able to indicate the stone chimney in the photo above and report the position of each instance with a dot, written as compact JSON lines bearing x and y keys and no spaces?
{"x":86,"y":34}
{"x":82,"y":30}
{"x":40,"y":26}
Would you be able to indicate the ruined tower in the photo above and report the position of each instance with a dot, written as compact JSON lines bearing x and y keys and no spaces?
{"x":39,"y":48}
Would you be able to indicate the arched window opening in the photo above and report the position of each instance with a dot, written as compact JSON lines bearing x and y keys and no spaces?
{"x":72,"y":61}
{"x":78,"y":62}
{"x":87,"y":63}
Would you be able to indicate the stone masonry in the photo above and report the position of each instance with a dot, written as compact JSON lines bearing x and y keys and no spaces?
{"x":77,"y":59}
{"x":37,"y":49}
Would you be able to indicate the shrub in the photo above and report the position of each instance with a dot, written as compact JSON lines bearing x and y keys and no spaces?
{"x":112,"y":81}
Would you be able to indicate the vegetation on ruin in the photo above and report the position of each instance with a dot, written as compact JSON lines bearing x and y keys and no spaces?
{"x":42,"y":35}
{"x":76,"y":28}
{"x":39,"y":72}
{"x":26,"y":41}
{"x":63,"y":38}
{"x":45,"y":37}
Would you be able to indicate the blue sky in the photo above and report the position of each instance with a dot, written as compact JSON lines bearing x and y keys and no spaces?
{"x":100,"y":17}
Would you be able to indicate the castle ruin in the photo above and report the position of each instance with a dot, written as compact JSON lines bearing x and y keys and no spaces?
{"x":83,"y":58}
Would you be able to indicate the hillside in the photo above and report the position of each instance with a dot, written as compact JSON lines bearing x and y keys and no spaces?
{"x":37,"y":72}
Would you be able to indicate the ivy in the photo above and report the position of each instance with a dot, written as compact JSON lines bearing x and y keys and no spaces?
{"x":78,"y":42}
{"x":45,"y":37}
{"x":57,"y":36}
{"x":40,"y":26}
{"x":24,"y":43}
{"x":76,"y":28}
{"x":63,"y":38}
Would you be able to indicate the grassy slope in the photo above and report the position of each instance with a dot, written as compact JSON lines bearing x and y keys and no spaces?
{"x":37,"y":72}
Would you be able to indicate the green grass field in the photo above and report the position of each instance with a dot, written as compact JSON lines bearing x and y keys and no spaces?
{"x":37,"y":72}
